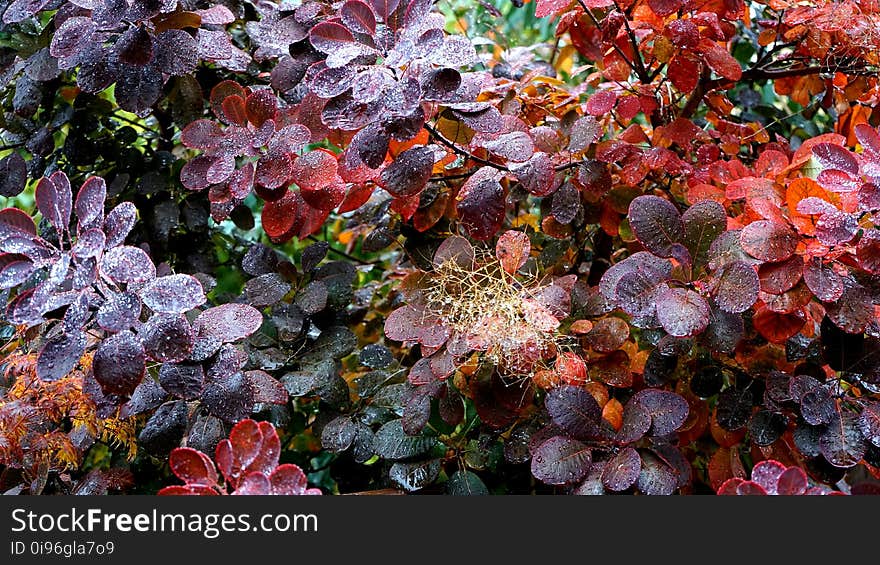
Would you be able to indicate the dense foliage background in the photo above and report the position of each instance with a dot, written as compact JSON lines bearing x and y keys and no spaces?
{"x":461,"y":247}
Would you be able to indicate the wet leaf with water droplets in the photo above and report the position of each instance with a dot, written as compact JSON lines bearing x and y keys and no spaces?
{"x":574,"y":410}
{"x":183,"y":380}
{"x":656,"y":477}
{"x":668,"y":410}
{"x":119,"y":363}
{"x":229,"y":397}
{"x":561,"y":460}
{"x":768,"y":241}
{"x":173,"y":294}
{"x":408,"y":174}
{"x":119,"y":311}
{"x":391,"y":442}
{"x":682,"y":312}
{"x":127,"y":264}
{"x":842,"y":443}
{"x":60,"y":355}
{"x":515,"y":146}
{"x":737,"y":287}
{"x":622,"y":470}
{"x":512,"y":250}
{"x":414,"y":475}
{"x":466,"y":483}
{"x":338,"y":434}
{"x":167,"y":338}
{"x":657,"y":224}
{"x":229,"y":322}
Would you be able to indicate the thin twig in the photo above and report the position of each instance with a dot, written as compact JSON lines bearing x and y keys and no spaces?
{"x":343,"y":253}
{"x":464,"y":153}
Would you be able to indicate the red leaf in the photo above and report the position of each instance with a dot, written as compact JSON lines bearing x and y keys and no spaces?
{"x":357,"y":196}
{"x":280,"y":218}
{"x":270,"y":450}
{"x":571,"y":368}
{"x":512,"y":250}
{"x":768,"y":241}
{"x":234,"y":111}
{"x":187,"y":490}
{"x":777,"y":327}
{"x":868,"y":251}
{"x":601,"y":103}
{"x":222,"y":91}
{"x":664,"y":7}
{"x":192,"y":467}
{"x":330,"y":36}
{"x":315,"y":169}
{"x":681,"y":131}
{"x":684,"y":73}
{"x":273,"y":171}
{"x":253,"y":484}
{"x":288,"y":479}
{"x":266,"y":388}
{"x":777,"y":278}
{"x":201,"y":134}
{"x":720,"y":60}
{"x":16,"y":223}
{"x":261,"y":106}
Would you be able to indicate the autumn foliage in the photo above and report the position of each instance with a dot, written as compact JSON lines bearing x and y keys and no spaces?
{"x":382,"y":242}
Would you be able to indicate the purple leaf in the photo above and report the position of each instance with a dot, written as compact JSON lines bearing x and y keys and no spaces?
{"x":184,"y":380}
{"x":60,"y":355}
{"x":682,"y":312}
{"x":119,"y":311}
{"x":229,"y":397}
{"x":737,"y":287}
{"x":822,"y":280}
{"x":656,"y":223}
{"x":229,"y":322}
{"x":90,"y":243}
{"x":119,"y":223}
{"x":561,"y":460}
{"x":119,"y":363}
{"x":128,"y":264}
{"x":358,"y":16}
{"x":480,"y":205}
{"x":167,"y":338}
{"x":89,"y":205}
{"x":622,"y":470}
{"x":574,"y":410}
{"x":668,"y":410}
{"x":13,"y":175}
{"x":408,"y":174}
{"x":384,"y":8}
{"x":515,"y":146}
{"x":834,"y":157}
{"x":173,"y":294}
{"x":841,"y":443}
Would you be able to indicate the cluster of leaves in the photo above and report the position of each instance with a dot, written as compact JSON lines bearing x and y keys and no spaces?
{"x":248,"y":461}
{"x":771,"y":477}
{"x":46,"y":426}
{"x":604,"y":263}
